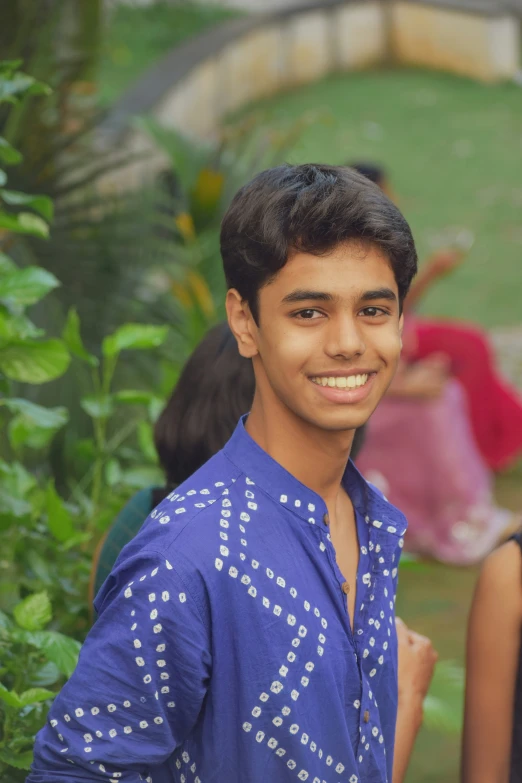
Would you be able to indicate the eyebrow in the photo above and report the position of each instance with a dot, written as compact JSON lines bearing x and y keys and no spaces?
{"x":379,"y":293}
{"x":303,"y":295}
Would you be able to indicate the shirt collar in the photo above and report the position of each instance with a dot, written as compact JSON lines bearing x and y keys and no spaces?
{"x":286,"y":490}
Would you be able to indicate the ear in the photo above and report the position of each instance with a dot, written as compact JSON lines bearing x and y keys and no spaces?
{"x":401,"y":326}
{"x":242,"y":324}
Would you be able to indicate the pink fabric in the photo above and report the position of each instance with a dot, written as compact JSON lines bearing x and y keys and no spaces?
{"x":495,"y":409}
{"x":423,"y":456}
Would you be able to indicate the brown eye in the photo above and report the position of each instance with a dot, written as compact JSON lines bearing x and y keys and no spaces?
{"x":373,"y":312}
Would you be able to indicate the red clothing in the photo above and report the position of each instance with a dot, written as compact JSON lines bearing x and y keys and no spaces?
{"x":495,"y":408}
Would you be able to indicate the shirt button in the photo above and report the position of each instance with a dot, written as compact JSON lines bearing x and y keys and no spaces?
{"x":366,"y":716}
{"x":326,"y":519}
{"x":345,"y":588}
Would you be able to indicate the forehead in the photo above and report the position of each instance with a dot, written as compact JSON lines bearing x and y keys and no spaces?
{"x":346,"y":271}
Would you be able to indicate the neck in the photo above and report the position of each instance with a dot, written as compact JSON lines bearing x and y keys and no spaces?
{"x":316,"y":457}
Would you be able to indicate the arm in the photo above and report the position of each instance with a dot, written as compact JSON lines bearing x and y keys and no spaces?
{"x":492,"y":659}
{"x":417,"y":660}
{"x":139,"y":684}
{"x":433,"y":269}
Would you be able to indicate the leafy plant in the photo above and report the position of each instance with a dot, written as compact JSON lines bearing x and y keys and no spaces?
{"x":33,"y":660}
{"x":48,"y":539}
{"x":192,"y":197}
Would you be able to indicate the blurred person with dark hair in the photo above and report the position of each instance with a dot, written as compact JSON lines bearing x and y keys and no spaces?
{"x":461,"y":350}
{"x":230,"y":646}
{"x":215,"y":388}
{"x":492,"y":737}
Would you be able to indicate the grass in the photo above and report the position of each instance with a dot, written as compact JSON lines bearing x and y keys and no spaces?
{"x":137,"y":36}
{"x":453,"y":149}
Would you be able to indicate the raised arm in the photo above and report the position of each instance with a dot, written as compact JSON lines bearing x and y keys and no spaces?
{"x":436,"y":267}
{"x":139,"y":684}
{"x":492,"y":660}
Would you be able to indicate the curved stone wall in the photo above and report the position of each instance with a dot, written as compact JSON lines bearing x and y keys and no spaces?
{"x":197,"y":84}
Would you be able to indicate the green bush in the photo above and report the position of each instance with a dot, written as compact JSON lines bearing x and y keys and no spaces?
{"x":48,"y":540}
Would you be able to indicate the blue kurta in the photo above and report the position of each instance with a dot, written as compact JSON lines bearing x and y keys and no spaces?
{"x":223,"y":651}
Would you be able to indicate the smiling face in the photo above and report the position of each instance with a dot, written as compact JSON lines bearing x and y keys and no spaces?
{"x":329,"y":337}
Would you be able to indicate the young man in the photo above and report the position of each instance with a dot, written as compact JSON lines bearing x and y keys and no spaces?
{"x":247,"y":635}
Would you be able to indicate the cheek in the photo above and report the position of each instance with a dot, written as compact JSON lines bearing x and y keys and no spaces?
{"x":388,"y":344}
{"x":288,"y":348}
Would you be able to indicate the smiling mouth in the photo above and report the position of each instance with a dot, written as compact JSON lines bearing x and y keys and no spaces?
{"x":342,"y":381}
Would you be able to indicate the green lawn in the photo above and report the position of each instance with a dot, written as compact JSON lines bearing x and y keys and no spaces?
{"x":454,"y":151}
{"x":136,"y":37}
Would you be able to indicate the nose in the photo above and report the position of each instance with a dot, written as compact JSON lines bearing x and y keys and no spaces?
{"x":345,"y":338}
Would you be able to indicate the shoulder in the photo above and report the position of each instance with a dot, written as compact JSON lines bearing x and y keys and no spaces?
{"x":497,"y":603}
{"x":501,"y":572}
{"x":183,"y":527}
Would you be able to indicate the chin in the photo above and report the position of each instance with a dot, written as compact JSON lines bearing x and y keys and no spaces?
{"x":339,"y":421}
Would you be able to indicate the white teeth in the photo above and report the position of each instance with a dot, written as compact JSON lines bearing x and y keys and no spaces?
{"x":341,"y":382}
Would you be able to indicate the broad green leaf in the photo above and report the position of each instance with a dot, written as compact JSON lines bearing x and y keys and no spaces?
{"x":11,"y":505}
{"x":41,"y":204}
{"x":59,"y":519}
{"x":5,"y":622}
{"x":9,"y":697}
{"x":47,"y":674}
{"x":134,"y":397}
{"x":35,"y":695}
{"x":18,"y":84}
{"x":8,"y":154}
{"x":17,"y":327}
{"x":75,"y":541}
{"x":47,"y":418}
{"x":26,"y":286}
{"x":187,"y":159}
{"x":17,"y":760}
{"x":3,"y":177}
{"x":24,"y":223}
{"x":34,"y":362}
{"x":15,"y":478}
{"x":146,"y":441}
{"x":7,"y":67}
{"x":73,"y":340}
{"x":57,"y":648}
{"x":155,"y":408}
{"x":134,"y":336}
{"x":140,"y":478}
{"x":24,"y":434}
{"x":98,"y":407}
{"x":42,"y":569}
{"x":34,"y":612}
{"x":113,"y":472}
{"x":6,"y":263}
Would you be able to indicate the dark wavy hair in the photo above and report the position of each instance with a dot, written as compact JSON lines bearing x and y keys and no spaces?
{"x":215,"y":388}
{"x":310,"y":208}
